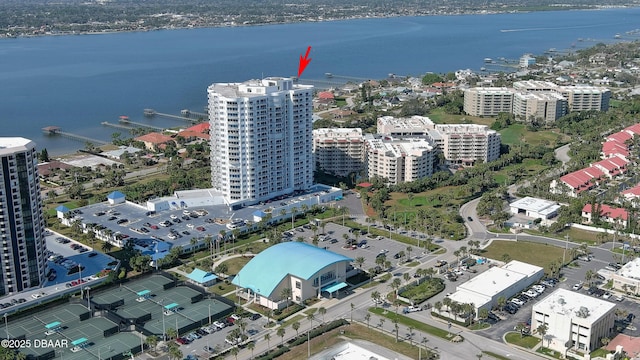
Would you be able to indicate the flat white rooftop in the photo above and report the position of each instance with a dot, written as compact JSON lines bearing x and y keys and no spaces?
{"x":574,"y":304}
{"x":532,"y":204}
{"x":522,"y":268}
{"x":9,"y":145}
{"x":358,"y":350}
{"x":466,"y":297}
{"x":631,"y":269}
{"x":492,"y":281}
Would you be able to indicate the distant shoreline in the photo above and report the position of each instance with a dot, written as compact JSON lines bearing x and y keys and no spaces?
{"x":307,"y":21}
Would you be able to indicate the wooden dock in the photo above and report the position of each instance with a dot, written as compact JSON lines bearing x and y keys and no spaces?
{"x":126,"y":121}
{"x":152,"y":113}
{"x":56,"y":130}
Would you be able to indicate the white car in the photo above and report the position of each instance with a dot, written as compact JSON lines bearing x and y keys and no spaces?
{"x":577,"y":286}
{"x":607,"y":295}
{"x":173,"y":216}
{"x":219,"y":324}
{"x":190,"y":226}
{"x":517,"y":301}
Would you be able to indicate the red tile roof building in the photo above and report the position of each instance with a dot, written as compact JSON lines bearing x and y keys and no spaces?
{"x":615,"y":151}
{"x":608,"y":214}
{"x":153,"y":140}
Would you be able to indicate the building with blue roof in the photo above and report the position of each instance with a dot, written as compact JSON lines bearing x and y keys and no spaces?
{"x":202,"y":278}
{"x":305,"y":269}
{"x":116,"y":197}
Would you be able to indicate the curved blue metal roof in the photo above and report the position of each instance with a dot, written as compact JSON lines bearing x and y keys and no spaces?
{"x":267,"y":269}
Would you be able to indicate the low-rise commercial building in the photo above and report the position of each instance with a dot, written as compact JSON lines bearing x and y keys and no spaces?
{"x":627,"y":279}
{"x":534,"y":207}
{"x":484,"y":290}
{"x":573,"y":320}
{"x":303,"y":270}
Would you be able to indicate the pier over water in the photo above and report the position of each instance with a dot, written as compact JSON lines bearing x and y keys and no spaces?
{"x":56,"y":130}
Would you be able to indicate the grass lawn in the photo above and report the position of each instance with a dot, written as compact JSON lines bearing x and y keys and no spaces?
{"x":602,"y":352}
{"x":528,"y":342}
{"x":533,"y":253}
{"x":298,"y":318}
{"x":234,"y":265}
{"x":495,"y":356}
{"x":478,"y":326}
{"x":407,"y":321}
{"x":353,"y":331}
{"x":423,"y":291}
{"x":549,"y":352}
{"x":222,"y":288}
{"x":515,"y":134}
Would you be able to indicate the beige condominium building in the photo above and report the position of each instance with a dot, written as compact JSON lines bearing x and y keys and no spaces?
{"x":339,"y":151}
{"x":459,"y":143}
{"x":488,"y":101}
{"x":532,"y":98}
{"x":399,"y":160}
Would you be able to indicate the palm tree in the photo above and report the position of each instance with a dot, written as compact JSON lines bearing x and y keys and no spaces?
{"x":406,"y":277}
{"x":251,"y":346}
{"x":285,"y":294}
{"x":294,"y":210}
{"x":438,"y":306}
{"x":172,"y":333}
{"x":542,"y":330}
{"x":521,"y":327}
{"x":151,"y":341}
{"x":175,"y":353}
{"x":360,"y":261}
{"x":376,"y":297}
{"x":395,"y":285}
{"x":234,"y":351}
{"x":409,"y":250}
{"x":410,"y":334}
{"x":367,"y":317}
{"x":395,"y":325}
{"x":107,"y":247}
{"x":322,"y":310}
{"x":281,"y":331}
{"x":502,"y":301}
{"x":588,"y":276}
{"x":268,"y":338}
{"x":295,"y":326}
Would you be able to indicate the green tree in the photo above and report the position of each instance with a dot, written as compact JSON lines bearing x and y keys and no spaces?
{"x":151,"y":341}
{"x":296,"y":326}
{"x":285,"y":294}
{"x":251,"y":346}
{"x":360,"y":261}
{"x":322,"y":311}
{"x":268,"y":338}
{"x":542,"y":330}
{"x":367,"y":317}
{"x":281,"y":332}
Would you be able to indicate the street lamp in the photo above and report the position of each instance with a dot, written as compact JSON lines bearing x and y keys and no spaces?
{"x":209,"y":313}
{"x":6,"y":327}
{"x":564,"y":253}
{"x":88,"y":300}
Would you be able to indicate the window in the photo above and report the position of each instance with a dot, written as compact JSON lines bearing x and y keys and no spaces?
{"x":298,"y":285}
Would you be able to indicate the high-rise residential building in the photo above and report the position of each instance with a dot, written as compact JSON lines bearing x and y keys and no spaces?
{"x":21,"y":217}
{"x":459,"y":143}
{"x":261,"y":139}
{"x":467,"y":143}
{"x":339,"y":151}
{"x":399,"y":160}
{"x":488,"y":101}
{"x":535,"y":99}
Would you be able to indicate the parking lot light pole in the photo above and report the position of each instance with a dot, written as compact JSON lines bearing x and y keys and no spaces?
{"x":209,"y":313}
{"x":6,"y":327}
{"x":564,"y":253}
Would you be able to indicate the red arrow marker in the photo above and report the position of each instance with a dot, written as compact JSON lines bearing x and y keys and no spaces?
{"x":304,"y":61}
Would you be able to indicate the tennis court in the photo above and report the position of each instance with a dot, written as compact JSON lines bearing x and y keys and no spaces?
{"x":73,"y":324}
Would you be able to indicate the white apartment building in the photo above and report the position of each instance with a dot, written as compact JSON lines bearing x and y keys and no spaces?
{"x":460,"y":143}
{"x":573,"y":320}
{"x":584,"y":97}
{"x":488,"y":101}
{"x":550,"y":100}
{"x":339,"y":151}
{"x":544,"y":106}
{"x":261,"y":139}
{"x":467,"y":143}
{"x":411,"y":126}
{"x":399,"y":160}
{"x":21,"y":217}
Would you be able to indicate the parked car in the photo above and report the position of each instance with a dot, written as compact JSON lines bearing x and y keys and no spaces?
{"x":255,"y":317}
{"x":577,"y":286}
{"x":517,"y":301}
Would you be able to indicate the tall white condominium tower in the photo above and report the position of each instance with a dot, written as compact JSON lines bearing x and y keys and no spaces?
{"x":261,"y":139}
{"x":21,"y":217}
